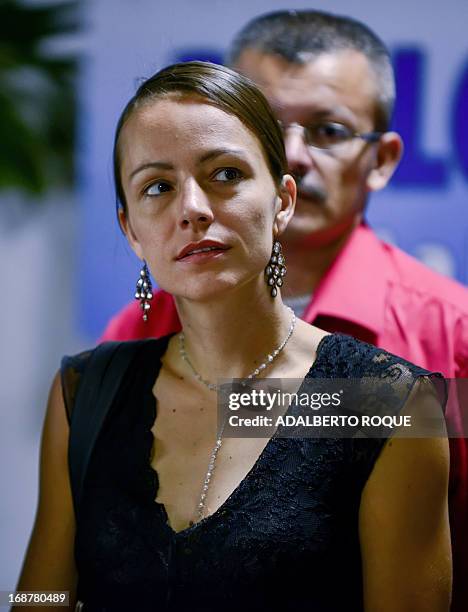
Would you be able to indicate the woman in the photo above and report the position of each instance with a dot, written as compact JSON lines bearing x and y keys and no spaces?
{"x":172,"y":517}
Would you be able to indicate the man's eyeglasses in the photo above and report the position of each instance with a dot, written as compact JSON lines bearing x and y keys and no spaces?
{"x":329,"y":135}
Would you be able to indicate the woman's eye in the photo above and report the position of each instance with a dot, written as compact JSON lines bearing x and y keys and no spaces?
{"x":157,"y":188}
{"x":227,"y":174}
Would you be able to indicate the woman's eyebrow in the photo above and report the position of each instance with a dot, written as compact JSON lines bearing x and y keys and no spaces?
{"x":160,"y":165}
{"x":218,"y":152}
{"x":157,"y":165}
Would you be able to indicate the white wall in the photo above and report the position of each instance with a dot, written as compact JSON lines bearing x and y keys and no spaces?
{"x":37,"y":260}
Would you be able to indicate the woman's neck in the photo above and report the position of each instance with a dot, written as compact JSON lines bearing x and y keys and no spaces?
{"x":229,"y":337}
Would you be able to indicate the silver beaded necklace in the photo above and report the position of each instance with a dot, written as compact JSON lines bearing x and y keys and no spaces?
{"x":213,"y":387}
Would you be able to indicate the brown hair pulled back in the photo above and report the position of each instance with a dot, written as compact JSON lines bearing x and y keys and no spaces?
{"x":221,"y":87}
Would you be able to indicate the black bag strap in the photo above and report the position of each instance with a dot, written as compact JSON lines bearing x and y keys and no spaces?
{"x":96,"y":392}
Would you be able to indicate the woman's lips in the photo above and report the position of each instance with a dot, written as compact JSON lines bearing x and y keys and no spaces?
{"x":203,"y":256}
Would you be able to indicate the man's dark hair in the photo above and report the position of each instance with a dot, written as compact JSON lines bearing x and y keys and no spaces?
{"x":298,"y":36}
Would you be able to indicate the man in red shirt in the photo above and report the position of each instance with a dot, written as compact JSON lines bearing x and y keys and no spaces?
{"x":329,"y":80}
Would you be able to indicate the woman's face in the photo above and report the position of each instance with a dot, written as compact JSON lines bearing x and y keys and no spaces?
{"x":196,"y":178}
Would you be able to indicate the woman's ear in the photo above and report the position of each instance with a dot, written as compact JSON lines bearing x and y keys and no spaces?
{"x":286,"y":203}
{"x":388,"y":154}
{"x":127,"y":229}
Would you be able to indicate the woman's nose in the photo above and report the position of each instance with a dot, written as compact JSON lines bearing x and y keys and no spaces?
{"x":195,"y":206}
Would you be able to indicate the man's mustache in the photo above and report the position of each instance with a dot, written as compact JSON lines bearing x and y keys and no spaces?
{"x":309,"y":192}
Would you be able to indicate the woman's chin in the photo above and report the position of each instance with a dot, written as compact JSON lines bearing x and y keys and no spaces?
{"x":217,"y":287}
{"x":204,"y":290}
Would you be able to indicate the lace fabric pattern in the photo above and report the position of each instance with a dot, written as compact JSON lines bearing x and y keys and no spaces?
{"x":285,"y":539}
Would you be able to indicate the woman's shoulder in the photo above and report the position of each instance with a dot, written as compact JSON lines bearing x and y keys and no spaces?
{"x":79,"y":361}
{"x":376,"y":373}
{"x":341,"y":355}
{"x":90,"y":365}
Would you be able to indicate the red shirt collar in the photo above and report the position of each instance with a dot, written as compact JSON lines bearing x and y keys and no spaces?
{"x":354,"y":288}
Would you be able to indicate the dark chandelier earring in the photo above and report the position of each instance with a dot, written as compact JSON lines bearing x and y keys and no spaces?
{"x":144,"y":291}
{"x":275,"y":269}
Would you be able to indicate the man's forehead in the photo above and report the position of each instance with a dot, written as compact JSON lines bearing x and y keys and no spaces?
{"x":318,"y":84}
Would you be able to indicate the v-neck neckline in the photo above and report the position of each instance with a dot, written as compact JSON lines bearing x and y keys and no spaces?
{"x":256,"y":466}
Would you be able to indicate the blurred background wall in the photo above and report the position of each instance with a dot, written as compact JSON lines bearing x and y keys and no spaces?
{"x":65,"y":268}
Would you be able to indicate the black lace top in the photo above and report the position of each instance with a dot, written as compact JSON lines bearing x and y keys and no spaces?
{"x":285,"y":539}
